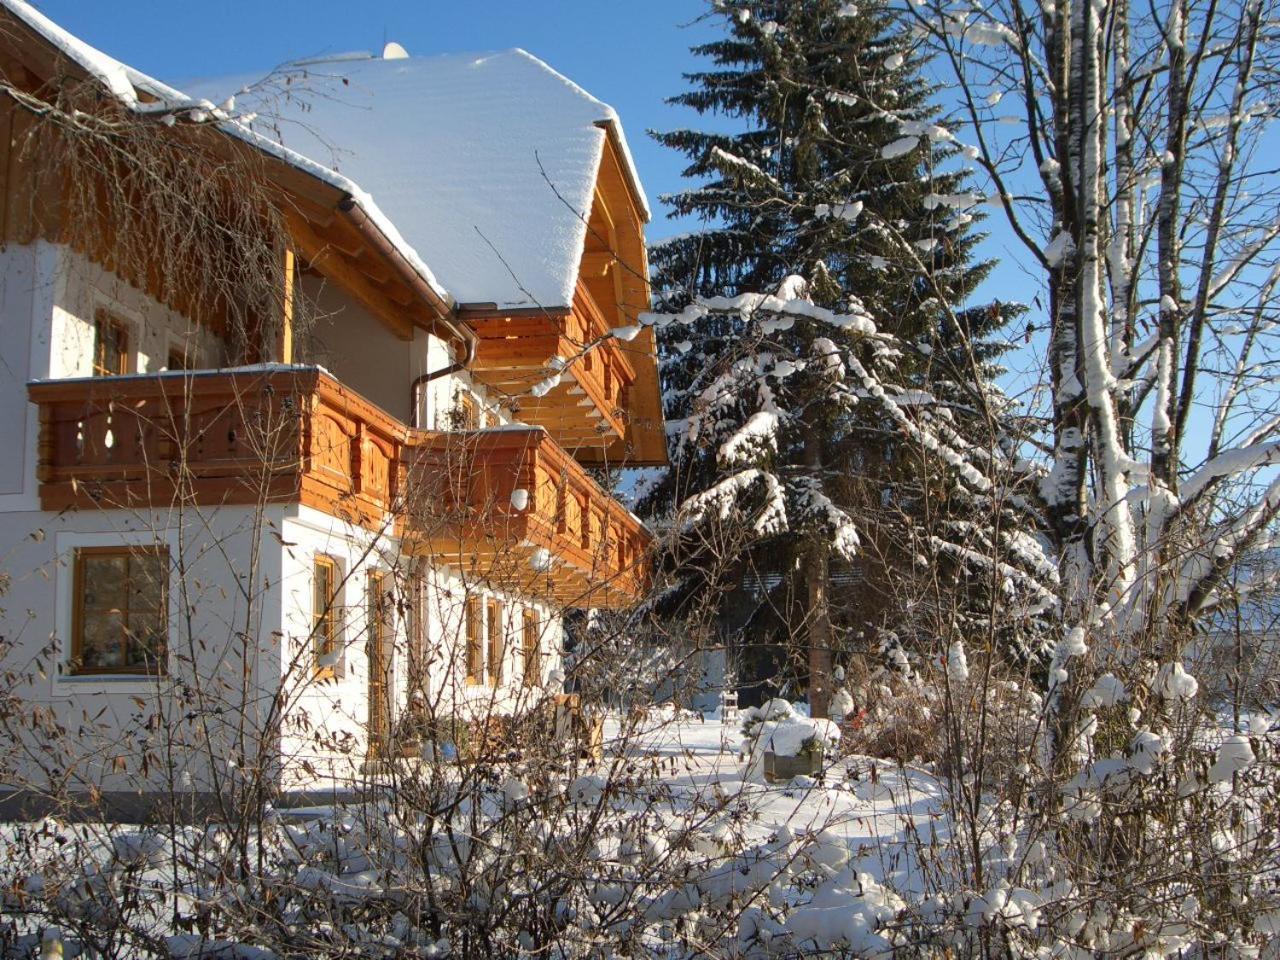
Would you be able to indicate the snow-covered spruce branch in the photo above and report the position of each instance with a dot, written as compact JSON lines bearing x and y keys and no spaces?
{"x":752,"y":405}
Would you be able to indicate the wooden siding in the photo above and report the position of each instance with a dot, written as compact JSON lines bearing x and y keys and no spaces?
{"x":588,"y":408}
{"x":292,"y":435}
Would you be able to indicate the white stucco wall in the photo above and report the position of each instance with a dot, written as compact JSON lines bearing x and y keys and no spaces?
{"x":358,"y":349}
{"x":240,"y":587}
{"x":446,"y":629}
{"x":222,"y":648}
{"x":240,"y":616}
{"x":327,"y":731}
{"x":27,"y":283}
{"x":82,"y":288}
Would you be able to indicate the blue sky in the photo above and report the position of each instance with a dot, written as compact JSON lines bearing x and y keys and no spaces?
{"x":629,"y":53}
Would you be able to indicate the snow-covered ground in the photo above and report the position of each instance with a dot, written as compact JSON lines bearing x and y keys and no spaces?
{"x":873,"y":806}
{"x":667,"y":840}
{"x":675,"y":776}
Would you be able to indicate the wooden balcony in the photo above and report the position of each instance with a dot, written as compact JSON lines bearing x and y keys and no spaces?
{"x":510,"y":506}
{"x":588,"y":407}
{"x":271,"y":434}
{"x":290,"y":434}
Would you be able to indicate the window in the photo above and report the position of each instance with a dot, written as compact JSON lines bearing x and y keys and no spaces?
{"x":177,"y":359}
{"x":110,"y":346}
{"x":120,"y":623}
{"x":418,"y":632}
{"x":496,"y":646}
{"x":325,"y":616}
{"x":491,"y":419}
{"x":378,"y":608}
{"x":532,"y":651}
{"x":475,"y":647}
{"x":467,"y":413}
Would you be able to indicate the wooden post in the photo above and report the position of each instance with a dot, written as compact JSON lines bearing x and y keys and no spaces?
{"x":284,"y":348}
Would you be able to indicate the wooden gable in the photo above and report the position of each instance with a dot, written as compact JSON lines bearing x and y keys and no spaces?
{"x":615,"y":273}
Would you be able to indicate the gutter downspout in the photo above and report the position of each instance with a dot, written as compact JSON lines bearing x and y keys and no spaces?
{"x":415,"y":388}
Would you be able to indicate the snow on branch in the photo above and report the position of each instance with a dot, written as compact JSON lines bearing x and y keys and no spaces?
{"x":1228,"y":464}
{"x":857,"y":320}
{"x":731,"y":493}
{"x":970,"y":474}
{"x":758,"y":435}
{"x":744,"y":168}
{"x":1200,"y":573}
{"x":817,"y":507}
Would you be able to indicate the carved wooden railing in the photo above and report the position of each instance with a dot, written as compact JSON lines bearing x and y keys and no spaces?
{"x":254,"y":435}
{"x":509,"y":501}
{"x":605,"y":373}
{"x":510,"y":504}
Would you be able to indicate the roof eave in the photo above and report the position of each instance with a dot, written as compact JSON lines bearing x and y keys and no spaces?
{"x":613,"y":128}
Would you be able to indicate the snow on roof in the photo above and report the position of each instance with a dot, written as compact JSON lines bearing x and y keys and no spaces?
{"x":487,"y":163}
{"x":469,"y":151}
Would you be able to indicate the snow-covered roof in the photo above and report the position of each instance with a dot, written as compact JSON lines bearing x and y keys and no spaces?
{"x":486,"y":163}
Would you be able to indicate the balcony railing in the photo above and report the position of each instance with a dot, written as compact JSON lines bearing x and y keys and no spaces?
{"x":251,"y":435}
{"x":287,"y":434}
{"x":588,"y":405}
{"x":509,"y":504}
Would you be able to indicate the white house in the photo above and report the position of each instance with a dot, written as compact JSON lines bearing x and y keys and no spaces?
{"x":255,"y":558}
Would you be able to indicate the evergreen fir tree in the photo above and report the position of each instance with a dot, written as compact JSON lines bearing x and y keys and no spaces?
{"x":841,"y":175}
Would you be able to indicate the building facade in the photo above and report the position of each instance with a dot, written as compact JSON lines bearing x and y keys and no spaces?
{"x":280,"y":538}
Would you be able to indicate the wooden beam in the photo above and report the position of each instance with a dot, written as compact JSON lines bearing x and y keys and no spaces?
{"x":319,"y":216}
{"x":284,"y":349}
{"x":321,"y":255}
{"x":349,"y":246}
{"x":396,"y":292}
{"x":596,"y":263}
{"x":379,"y":271}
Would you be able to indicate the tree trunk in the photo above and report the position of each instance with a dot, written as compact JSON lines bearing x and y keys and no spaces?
{"x":819,"y":630}
{"x":814,"y":568}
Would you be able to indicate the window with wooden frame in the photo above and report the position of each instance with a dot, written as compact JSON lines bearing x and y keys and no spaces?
{"x":110,"y":345}
{"x":466,"y":415}
{"x":326,"y":617}
{"x":378,"y":606}
{"x":532,"y":649}
{"x":475,"y":642}
{"x":491,"y":419}
{"x":496,"y":626}
{"x":120,"y":619}
{"x":417,"y":633}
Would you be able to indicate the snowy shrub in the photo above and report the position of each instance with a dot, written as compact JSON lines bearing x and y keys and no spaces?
{"x":900,"y":723}
{"x":777,"y":728}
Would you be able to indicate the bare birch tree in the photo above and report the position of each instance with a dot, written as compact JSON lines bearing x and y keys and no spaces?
{"x":1127,"y":149}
